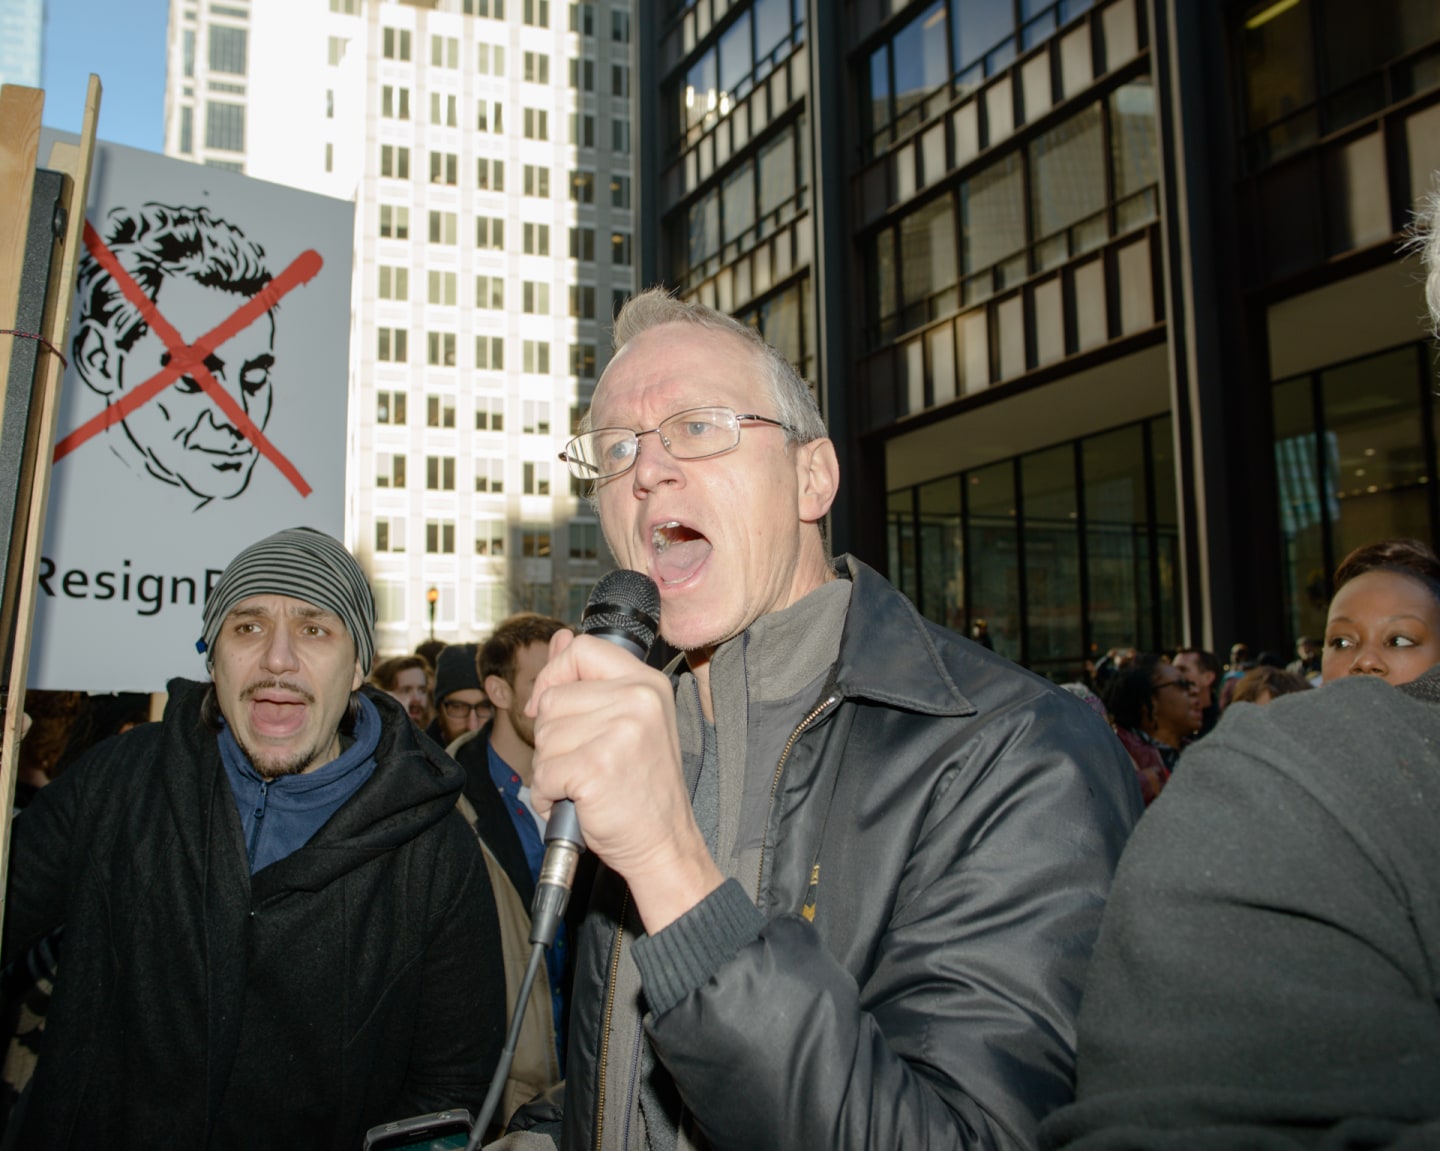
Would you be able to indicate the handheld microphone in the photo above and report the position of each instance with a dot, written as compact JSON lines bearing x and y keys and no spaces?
{"x":624,"y":608}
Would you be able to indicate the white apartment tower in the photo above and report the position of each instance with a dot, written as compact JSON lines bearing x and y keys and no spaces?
{"x":486,"y":145}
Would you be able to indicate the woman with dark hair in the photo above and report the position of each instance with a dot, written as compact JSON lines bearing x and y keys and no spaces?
{"x":1385,"y":615}
{"x":1155,"y":709}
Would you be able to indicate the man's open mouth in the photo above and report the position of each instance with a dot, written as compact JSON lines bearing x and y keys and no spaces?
{"x":678,"y":551}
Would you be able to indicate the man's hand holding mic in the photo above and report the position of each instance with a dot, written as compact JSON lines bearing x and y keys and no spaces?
{"x":606,"y":739}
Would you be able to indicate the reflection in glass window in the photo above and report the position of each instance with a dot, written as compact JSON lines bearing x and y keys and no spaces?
{"x":920,"y":64}
{"x":980,"y":27}
{"x":704,"y":230}
{"x":777,"y":173}
{"x":1132,"y":137}
{"x":992,"y":210}
{"x":772,"y":26}
{"x":927,"y":259}
{"x":699,"y":95}
{"x":736,"y":62}
{"x":739,"y":194}
{"x":1067,"y":173}
{"x":1052,"y":557}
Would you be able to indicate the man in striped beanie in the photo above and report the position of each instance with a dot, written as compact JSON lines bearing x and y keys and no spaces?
{"x":278,"y":930}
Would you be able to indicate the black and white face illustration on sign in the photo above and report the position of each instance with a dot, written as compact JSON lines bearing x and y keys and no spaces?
{"x":158,"y":336}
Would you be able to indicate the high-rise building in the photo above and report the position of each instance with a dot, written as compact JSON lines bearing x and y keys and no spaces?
{"x":486,"y":144}
{"x":22,"y":42}
{"x":1101,"y":298}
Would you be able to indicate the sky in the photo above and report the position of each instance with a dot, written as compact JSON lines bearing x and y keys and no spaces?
{"x":123,"y":42}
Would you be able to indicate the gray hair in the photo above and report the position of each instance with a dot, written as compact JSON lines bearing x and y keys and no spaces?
{"x":1425,"y":239}
{"x":794,"y":405}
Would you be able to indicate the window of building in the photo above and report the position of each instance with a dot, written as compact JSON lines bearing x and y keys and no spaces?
{"x":582,"y":361}
{"x":187,"y":52}
{"x":489,"y":116}
{"x":490,"y":414}
{"x":490,"y":537}
{"x":444,"y":168}
{"x":336,"y":49}
{"x":620,"y":135}
{"x":442,"y":110}
{"x":582,"y":18}
{"x":225,"y":126}
{"x":535,"y":357}
{"x":582,"y":301}
{"x":442,"y":227}
{"x":440,"y":473}
{"x":187,"y":130}
{"x":535,"y":419}
{"x":493,"y":9}
{"x":582,"y":244}
{"x":537,"y":68}
{"x":489,"y":232}
{"x":329,"y":103}
{"x":490,"y":474}
{"x":345,"y":7}
{"x":490,"y":59}
{"x":582,"y":75}
{"x":537,"y":239}
{"x":537,"y":180}
{"x":535,"y":13}
{"x":228,"y":49}
{"x":389,"y":407}
{"x":490,"y":353}
{"x":395,"y":43}
{"x":620,"y":191}
{"x":441,"y":288}
{"x":394,"y":222}
{"x":537,"y":124}
{"x":489,"y":174}
{"x":619,"y":26}
{"x":440,"y":537}
{"x":394,"y":102}
{"x":490,"y":293}
{"x":389,"y":470}
{"x":444,"y":52}
{"x":440,"y":353}
{"x":535,"y":475}
{"x":620,"y":249}
{"x":390,"y":534}
{"x":584,"y":540}
{"x":394,"y":162}
{"x":391,"y":345}
{"x":394,"y":282}
{"x":582,"y":129}
{"x":535,"y":540}
{"x":535,"y":295}
{"x":439,"y":411}
{"x":582,"y":186}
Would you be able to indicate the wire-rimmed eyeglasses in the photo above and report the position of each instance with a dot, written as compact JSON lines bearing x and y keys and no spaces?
{"x":693,"y":434}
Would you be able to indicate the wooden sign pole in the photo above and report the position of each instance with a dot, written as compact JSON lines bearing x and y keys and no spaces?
{"x":20,"y":110}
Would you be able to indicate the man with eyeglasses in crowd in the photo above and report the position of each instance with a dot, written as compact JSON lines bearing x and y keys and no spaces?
{"x":461,"y":705}
{"x":853,"y":862}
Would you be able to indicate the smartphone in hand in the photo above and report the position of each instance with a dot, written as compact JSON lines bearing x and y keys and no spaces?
{"x":438,"y":1131}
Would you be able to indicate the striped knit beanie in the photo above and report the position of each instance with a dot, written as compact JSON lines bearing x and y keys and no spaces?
{"x":307,"y":565}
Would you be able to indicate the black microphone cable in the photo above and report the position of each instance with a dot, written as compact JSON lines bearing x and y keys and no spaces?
{"x":624,"y":608}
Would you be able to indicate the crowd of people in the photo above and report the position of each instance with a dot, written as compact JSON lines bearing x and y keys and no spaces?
{"x":852,"y":881}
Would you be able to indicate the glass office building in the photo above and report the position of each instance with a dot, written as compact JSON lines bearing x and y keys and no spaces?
{"x":1106,"y":315}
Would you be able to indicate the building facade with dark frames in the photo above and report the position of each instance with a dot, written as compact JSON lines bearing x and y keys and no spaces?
{"x":1103,"y":299}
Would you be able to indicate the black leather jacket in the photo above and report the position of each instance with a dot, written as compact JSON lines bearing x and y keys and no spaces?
{"x":938,"y":850}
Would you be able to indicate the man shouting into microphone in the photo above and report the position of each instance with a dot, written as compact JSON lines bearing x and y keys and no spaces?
{"x":854,"y":863}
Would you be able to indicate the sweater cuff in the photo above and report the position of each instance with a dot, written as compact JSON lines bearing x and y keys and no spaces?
{"x":683,"y":956}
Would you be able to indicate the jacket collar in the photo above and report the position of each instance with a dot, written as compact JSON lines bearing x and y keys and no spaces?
{"x":887,"y":653}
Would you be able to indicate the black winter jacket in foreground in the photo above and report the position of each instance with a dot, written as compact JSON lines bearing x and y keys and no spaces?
{"x":965,"y":818}
{"x":356,"y":981}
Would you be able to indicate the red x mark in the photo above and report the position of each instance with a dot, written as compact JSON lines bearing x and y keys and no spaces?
{"x":189,"y":359}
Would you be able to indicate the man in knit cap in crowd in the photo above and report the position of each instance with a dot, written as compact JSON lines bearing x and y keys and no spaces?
{"x":461,"y":704}
{"x":278,"y":931}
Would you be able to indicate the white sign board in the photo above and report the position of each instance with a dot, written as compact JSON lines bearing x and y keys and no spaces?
{"x":203,"y":408}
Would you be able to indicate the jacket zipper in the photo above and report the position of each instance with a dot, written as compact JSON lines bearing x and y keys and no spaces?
{"x":609,"y":1016}
{"x":260,"y":803}
{"x":820,"y":708}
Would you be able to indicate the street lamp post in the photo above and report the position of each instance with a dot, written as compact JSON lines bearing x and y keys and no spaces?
{"x":431,"y":597}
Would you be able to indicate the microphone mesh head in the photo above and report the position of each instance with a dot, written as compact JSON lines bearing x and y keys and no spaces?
{"x":624,"y":603}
